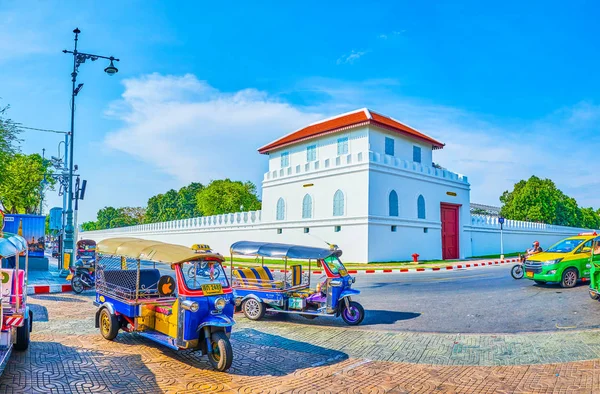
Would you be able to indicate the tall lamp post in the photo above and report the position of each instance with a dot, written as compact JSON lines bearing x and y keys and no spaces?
{"x":78,"y":59}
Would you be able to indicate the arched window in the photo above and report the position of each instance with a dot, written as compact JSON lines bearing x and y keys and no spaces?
{"x":338,"y":203}
{"x":307,"y":207}
{"x":280,"y":209}
{"x":393,"y":203}
{"x":421,"y":207}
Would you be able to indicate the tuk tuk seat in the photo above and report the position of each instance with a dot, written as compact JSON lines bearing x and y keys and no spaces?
{"x":123,"y":282}
{"x":260,"y":277}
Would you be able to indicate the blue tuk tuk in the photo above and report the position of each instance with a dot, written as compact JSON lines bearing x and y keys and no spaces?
{"x":258,"y":290}
{"x":171,"y":307}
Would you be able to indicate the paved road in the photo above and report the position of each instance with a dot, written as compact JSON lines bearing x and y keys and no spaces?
{"x":485,"y":300}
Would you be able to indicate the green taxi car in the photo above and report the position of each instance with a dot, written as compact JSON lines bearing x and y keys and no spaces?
{"x":564,"y":262}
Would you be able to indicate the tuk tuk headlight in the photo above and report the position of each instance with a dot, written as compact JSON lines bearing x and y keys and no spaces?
{"x":220,"y":303}
{"x":588,"y":266}
{"x":191,"y":306}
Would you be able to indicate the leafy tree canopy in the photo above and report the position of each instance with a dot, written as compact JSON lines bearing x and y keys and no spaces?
{"x":21,"y":183}
{"x":227,"y":196}
{"x":539,"y":200}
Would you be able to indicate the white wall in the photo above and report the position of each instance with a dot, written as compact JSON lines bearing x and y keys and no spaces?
{"x":410,"y":180}
{"x":326,"y":148}
{"x":220,"y":235}
{"x":403,"y":145}
{"x":518,"y":236}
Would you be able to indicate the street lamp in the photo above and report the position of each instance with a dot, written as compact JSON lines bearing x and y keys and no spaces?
{"x":78,"y":59}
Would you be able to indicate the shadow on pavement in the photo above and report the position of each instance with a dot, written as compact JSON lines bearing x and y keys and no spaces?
{"x":40,"y":313}
{"x":372,"y":318}
{"x":50,"y":367}
{"x":255,"y":353}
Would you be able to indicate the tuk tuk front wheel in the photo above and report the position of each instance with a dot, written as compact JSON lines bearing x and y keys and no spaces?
{"x":253,"y":309}
{"x":109,"y":325}
{"x":353,"y":313}
{"x":220,"y":355}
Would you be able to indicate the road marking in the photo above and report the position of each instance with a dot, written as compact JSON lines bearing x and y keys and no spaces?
{"x":564,"y":328}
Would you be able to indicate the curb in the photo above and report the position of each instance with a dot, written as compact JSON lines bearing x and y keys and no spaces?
{"x":47,"y":289}
{"x":403,"y":270}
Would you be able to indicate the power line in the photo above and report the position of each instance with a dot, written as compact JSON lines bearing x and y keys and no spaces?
{"x":44,"y":130}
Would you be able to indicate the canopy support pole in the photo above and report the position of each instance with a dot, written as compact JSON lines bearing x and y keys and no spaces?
{"x":137,"y":281}
{"x":309,"y":265}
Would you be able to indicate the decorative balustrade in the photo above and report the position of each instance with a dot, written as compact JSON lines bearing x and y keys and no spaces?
{"x":204,"y":222}
{"x":357,"y":158}
{"x":484,"y":221}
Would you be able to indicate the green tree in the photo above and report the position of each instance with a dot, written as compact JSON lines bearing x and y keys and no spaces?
{"x":227,"y":196}
{"x":89,"y":226}
{"x":9,"y":141}
{"x":187,"y":206}
{"x":21,"y":184}
{"x":540,"y":200}
{"x":590,"y":218}
{"x":153,"y":213}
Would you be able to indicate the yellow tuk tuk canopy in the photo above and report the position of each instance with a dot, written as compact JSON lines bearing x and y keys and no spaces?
{"x":148,"y":250}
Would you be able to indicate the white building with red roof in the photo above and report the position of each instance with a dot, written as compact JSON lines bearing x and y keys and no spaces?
{"x":365,"y":182}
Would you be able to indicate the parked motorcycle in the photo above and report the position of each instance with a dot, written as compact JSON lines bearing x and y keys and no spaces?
{"x":83,"y":275}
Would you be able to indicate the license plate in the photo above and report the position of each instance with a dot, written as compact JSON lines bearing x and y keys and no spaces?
{"x":212,"y":289}
{"x":70,"y":276}
{"x":529,"y":274}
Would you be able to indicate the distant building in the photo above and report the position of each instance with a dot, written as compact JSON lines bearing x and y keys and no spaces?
{"x":372,"y":179}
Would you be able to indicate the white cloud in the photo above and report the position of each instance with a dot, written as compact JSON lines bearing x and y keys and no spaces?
{"x":351,"y":57}
{"x":383,"y":36}
{"x":186,"y":128}
{"x":194,"y":132}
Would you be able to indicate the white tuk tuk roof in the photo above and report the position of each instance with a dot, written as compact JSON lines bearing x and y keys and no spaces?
{"x":269,"y":249}
{"x":11,"y":245}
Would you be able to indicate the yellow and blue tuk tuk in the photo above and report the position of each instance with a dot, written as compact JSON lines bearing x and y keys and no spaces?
{"x":168,"y":306}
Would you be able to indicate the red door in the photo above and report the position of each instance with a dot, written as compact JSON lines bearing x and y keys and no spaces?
{"x":449,"y":231}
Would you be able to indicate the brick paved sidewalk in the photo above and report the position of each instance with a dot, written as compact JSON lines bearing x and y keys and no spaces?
{"x":68,"y":355}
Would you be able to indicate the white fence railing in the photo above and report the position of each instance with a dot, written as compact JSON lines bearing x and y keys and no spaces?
{"x":204,"y":222}
{"x":492,"y":222}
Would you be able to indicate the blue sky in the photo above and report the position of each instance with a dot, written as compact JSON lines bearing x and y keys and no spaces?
{"x":512,"y":89}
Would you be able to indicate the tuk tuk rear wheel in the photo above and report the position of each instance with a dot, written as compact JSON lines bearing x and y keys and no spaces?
{"x":354,"y":314}
{"x":220,"y":355}
{"x":22,"y":342}
{"x":253,"y":309}
{"x":109,"y":325}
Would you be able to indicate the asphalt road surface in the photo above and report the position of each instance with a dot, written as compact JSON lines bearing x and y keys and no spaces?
{"x":486,"y":300}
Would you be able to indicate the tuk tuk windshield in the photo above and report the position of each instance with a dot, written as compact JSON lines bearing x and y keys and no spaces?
{"x":203,"y":272}
{"x":335,"y":266}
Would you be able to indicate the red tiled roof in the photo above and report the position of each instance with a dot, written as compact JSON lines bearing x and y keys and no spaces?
{"x":354,"y":119}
